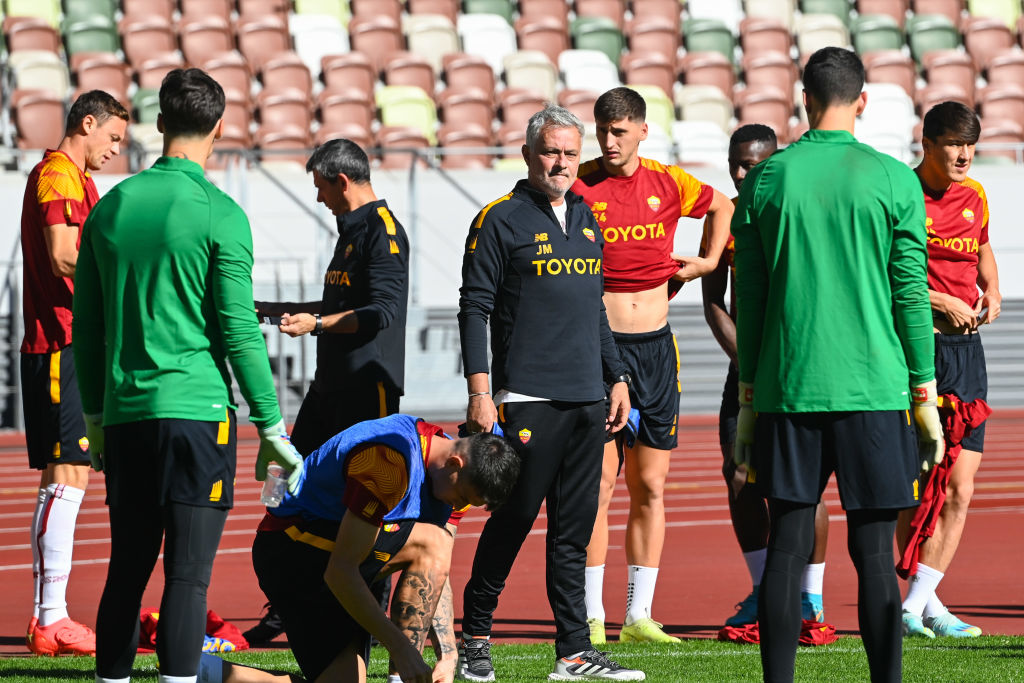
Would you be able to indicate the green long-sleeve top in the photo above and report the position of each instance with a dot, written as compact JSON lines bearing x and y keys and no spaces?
{"x":163,"y":298}
{"x":831,"y":281}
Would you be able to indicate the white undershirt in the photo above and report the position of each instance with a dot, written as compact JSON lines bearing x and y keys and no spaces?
{"x":560,"y":215}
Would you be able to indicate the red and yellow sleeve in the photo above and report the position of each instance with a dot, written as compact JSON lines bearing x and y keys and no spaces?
{"x":377,"y":479}
{"x":60,"y":192}
{"x":694,"y":196}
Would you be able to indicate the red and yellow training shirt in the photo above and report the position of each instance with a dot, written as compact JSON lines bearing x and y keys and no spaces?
{"x":638,"y":215}
{"x":957,"y":224}
{"x":57,"y":192}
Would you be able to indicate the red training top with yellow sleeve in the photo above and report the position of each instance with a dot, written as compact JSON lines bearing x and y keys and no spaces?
{"x":957,"y":224}
{"x":57,"y":192}
{"x":638,"y":215}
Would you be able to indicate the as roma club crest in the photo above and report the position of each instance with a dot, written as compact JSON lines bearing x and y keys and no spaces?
{"x":654,"y":202}
{"x":524,"y":435}
{"x":83,"y":443}
{"x":588,"y":233}
{"x":348,"y":250}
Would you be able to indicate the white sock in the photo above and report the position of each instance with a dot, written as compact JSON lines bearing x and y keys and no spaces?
{"x":755,"y":560}
{"x":177,"y":679}
{"x":394,"y":678}
{"x":813,"y":578}
{"x":211,"y":669}
{"x":594,"y":592}
{"x":101,"y":679}
{"x":56,"y":538}
{"x":43,"y":496}
{"x":922,"y":587}
{"x":640,"y":592}
{"x":934,"y":607}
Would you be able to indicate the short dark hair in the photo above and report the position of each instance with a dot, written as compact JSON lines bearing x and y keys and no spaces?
{"x":191,"y":103}
{"x":492,"y":468}
{"x":335,"y":157}
{"x":753,"y":132}
{"x":101,"y":105}
{"x":834,"y":75}
{"x":954,"y":118}
{"x":620,"y":103}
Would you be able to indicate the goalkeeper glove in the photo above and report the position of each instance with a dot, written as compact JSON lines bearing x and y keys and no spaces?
{"x":931,"y":445}
{"x":94,"y":435}
{"x":275,"y":446}
{"x":744,"y":447}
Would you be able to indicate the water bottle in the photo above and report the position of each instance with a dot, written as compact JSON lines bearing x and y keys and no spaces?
{"x":273,"y":486}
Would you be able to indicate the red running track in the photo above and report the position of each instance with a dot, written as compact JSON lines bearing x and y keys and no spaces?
{"x":704,"y":573}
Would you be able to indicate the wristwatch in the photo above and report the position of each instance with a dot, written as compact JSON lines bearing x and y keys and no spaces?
{"x":319,"y":329}
{"x":624,"y":377}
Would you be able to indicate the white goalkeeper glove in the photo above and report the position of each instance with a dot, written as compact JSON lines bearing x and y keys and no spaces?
{"x":744,"y":447}
{"x":275,"y":446}
{"x":931,"y":444}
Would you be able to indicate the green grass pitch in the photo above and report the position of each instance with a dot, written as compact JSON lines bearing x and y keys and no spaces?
{"x":986,"y":659}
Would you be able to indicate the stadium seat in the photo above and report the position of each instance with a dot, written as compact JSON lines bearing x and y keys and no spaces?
{"x":150,"y":140}
{"x":38,"y":116}
{"x":30,"y":33}
{"x":286,"y":71}
{"x":261,"y":8}
{"x":598,"y":33}
{"x":409,"y":106}
{"x":431,"y":36}
{"x":376,"y":37}
{"x":588,"y":70}
{"x":262,"y":37}
{"x":512,"y":137}
{"x":950,"y":66}
{"x":651,"y":34}
{"x":531,"y":70}
{"x":658,"y":145}
{"x":377,"y":8}
{"x":150,"y":74}
{"x":487,"y":36}
{"x":204,"y":37}
{"x":984,"y":37}
{"x":347,"y":130}
{"x":409,"y":68}
{"x":876,"y":32}
{"x":198,"y":8}
{"x":729,"y":12}
{"x":132,"y":8}
{"x":103,"y":71}
{"x":709,"y":35}
{"x":840,"y":8}
{"x":39,"y":70}
{"x":897,"y":9}
{"x":49,"y":10}
{"x":1007,"y":10}
{"x":92,"y":34}
{"x":337,"y":9}
{"x":996,"y":132}
{"x":668,"y":12}
{"x":884,"y":138}
{"x":544,"y":34}
{"x":609,"y":9}
{"x":952,"y":9}
{"x":503,"y":8}
{"x":354,"y":70}
{"x":518,"y":105}
{"x":660,"y":109}
{"x":769,"y":105}
{"x":769,"y":68}
{"x":705,"y":103}
{"x":397,"y":137}
{"x":927,"y":32}
{"x":891,"y":66}
{"x":232,"y":147}
{"x":930,"y":95}
{"x":284,"y":109}
{"x":815,"y":31}
{"x":345,"y":105}
{"x":758,"y":34}
{"x":555,"y":9}
{"x":468,"y":71}
{"x":1006,"y":67}
{"x":467,"y":107}
{"x":284,"y":145}
{"x":708,"y":68}
{"x":145,"y":37}
{"x":774,"y":9}
{"x":797,"y":130}
{"x":889,"y":103}
{"x":649,"y":68}
{"x":445,"y":8}
{"x":579,"y":102}
{"x":1002,"y":102}
{"x":145,"y":105}
{"x":315,"y":36}
{"x":238,"y":114}
{"x":700,"y":142}
{"x":460,"y":137}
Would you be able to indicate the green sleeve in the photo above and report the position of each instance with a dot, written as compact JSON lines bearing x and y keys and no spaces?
{"x":908,"y":277}
{"x":87,"y":328}
{"x":232,"y":263}
{"x":751,"y":278}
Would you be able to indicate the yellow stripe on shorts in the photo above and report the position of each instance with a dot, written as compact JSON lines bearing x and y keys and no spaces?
{"x":224,"y":429}
{"x":55,"y":377}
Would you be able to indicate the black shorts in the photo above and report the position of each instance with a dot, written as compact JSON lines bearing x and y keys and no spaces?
{"x":960,"y":369}
{"x":730,"y":406}
{"x":873,"y":453}
{"x":290,"y":566}
{"x":652,"y":360}
{"x":54,"y":428}
{"x":190,"y":462}
{"x":323,"y":414}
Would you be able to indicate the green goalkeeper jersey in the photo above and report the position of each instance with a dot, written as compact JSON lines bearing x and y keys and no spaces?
{"x":831,"y":281}
{"x":163,"y":298}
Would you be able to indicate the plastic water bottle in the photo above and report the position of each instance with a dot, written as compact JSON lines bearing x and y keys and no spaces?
{"x":273,"y":486}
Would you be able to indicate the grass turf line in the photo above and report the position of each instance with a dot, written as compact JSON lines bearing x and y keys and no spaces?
{"x":988,"y":658}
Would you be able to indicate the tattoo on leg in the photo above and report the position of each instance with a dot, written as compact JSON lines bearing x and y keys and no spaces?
{"x":414,"y":602}
{"x":443,"y":624}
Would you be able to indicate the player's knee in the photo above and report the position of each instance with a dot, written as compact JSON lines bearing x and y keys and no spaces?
{"x":71,"y":474}
{"x":959,"y":494}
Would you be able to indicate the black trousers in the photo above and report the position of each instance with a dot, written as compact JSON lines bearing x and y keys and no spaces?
{"x":561,"y":446}
{"x":321,"y":416}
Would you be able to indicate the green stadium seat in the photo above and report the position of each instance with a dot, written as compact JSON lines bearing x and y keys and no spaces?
{"x":1007,"y":10}
{"x":660,"y":109}
{"x":598,"y":33}
{"x":876,"y":32}
{"x":408,"y":106}
{"x":76,"y":10}
{"x":146,"y":103}
{"x":44,"y":9}
{"x":840,"y":8}
{"x":709,"y":35}
{"x":503,"y":8}
{"x":927,"y":32}
{"x":333,"y":8}
{"x":93,"y":34}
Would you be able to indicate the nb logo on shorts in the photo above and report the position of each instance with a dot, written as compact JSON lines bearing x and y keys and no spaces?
{"x":216,"y":491}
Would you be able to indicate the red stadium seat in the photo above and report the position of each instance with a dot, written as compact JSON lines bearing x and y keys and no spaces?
{"x":554,"y":9}
{"x":260,"y":8}
{"x":891,"y":66}
{"x":769,"y":68}
{"x":542,"y":33}
{"x":376,"y":8}
{"x":198,"y":8}
{"x":102,"y":71}
{"x":653,"y":35}
{"x":1000,"y":131}
{"x":377,"y":37}
{"x":518,"y":105}
{"x":38,"y":116}
{"x":204,"y":37}
{"x":30,"y":33}
{"x":950,"y":9}
{"x":897,"y":9}
{"x":649,"y":68}
{"x":408,"y":68}
{"x":667,"y":11}
{"x":352,"y":70}
{"x":346,"y":105}
{"x":610,"y":9}
{"x":462,"y":70}
{"x":930,"y":95}
{"x":1006,"y":67}
{"x":231,"y":70}
{"x":950,"y":66}
{"x":294,"y":142}
{"x":286,"y":71}
{"x":579,"y":102}
{"x":262,"y":37}
{"x":1002,"y":102}
{"x":759,"y":34}
{"x":392,"y":137}
{"x":445,"y":8}
{"x":708,"y":68}
{"x":468,"y":107}
{"x":146,"y":8}
{"x":984,"y":37}
{"x":150,"y":73}
{"x":768,"y":105}
{"x":455,"y":137}
{"x":146,"y":37}
{"x":288,"y":109}
{"x":349,"y":131}
{"x":513,"y":137}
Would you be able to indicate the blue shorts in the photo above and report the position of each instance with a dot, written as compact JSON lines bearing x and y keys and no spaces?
{"x":960,"y":369}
